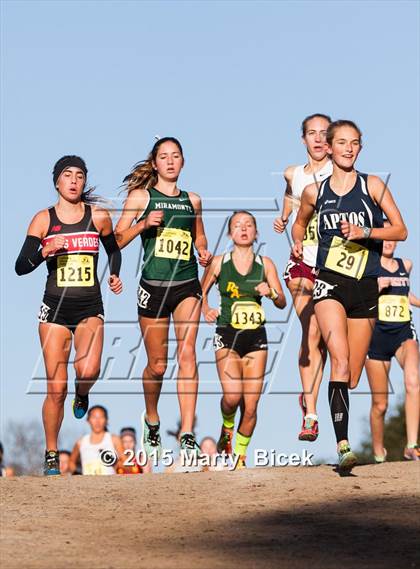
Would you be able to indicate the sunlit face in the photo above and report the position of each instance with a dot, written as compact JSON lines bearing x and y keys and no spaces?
{"x":97,"y":421}
{"x":242,"y":229}
{"x":315,"y":138}
{"x":71,"y":183}
{"x":208,"y":446}
{"x":128,"y":442}
{"x":169,"y":161}
{"x":64,"y":463}
{"x":345,"y":147}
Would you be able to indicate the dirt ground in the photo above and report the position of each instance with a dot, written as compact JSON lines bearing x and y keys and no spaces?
{"x":269,"y":518}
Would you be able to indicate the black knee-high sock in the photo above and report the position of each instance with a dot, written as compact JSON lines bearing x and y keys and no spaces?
{"x":338,"y":396}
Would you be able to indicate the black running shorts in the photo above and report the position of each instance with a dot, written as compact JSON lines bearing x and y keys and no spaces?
{"x":358,"y":297}
{"x":161,"y":301}
{"x":242,"y":342}
{"x":69,"y":313}
{"x":385,"y":342}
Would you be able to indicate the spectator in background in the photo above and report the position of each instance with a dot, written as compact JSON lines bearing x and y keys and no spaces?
{"x":100,"y":452}
{"x":128,"y":441}
{"x":65,"y":462}
{"x":5,"y":471}
{"x":209,"y":451}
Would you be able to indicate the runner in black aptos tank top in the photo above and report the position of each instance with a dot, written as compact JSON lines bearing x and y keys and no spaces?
{"x":350,"y":208}
{"x":394,"y":336}
{"x":67,"y":237}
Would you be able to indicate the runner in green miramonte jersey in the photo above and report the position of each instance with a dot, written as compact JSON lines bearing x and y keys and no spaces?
{"x":240,"y":341}
{"x":168,"y":248}
{"x":170,"y":224}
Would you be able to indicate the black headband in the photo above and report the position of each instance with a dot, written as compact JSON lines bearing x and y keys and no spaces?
{"x":68,"y":162}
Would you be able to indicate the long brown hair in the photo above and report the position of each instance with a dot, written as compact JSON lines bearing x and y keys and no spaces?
{"x":337,"y":124}
{"x":143,"y":175}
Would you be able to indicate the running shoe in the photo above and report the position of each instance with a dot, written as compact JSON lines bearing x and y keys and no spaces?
{"x":52,"y":463}
{"x":346,"y":457}
{"x":380,"y":458}
{"x":224,"y":444}
{"x":412,"y":453}
{"x":189,"y":445}
{"x":309,"y":430}
{"x":152,"y":444}
{"x":240,"y":465}
{"x":80,"y":405}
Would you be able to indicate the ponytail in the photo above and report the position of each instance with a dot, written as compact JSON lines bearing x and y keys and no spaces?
{"x":142,"y":177}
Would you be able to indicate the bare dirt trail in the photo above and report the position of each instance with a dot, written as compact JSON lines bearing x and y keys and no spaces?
{"x":268,"y":518}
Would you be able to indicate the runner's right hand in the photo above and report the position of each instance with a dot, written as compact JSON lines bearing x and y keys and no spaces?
{"x":154,"y":219}
{"x":211,"y":315}
{"x":297,"y":250}
{"x":54,"y":245}
{"x":280,"y":224}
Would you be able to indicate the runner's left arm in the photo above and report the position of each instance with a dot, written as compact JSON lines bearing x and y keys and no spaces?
{"x":209,"y":278}
{"x":272,"y":287}
{"x":199,"y":236}
{"x":304,"y":215}
{"x":395,"y":231}
{"x":412,"y":298}
{"x":103,"y":223}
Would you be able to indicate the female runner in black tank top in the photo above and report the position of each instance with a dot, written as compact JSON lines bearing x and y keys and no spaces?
{"x":394,"y":335}
{"x":170,"y":224}
{"x":349,"y":207}
{"x":67,"y":237}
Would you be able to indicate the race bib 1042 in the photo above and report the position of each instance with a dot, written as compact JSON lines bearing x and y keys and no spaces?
{"x":75,"y":270}
{"x":172,"y":243}
{"x":247,"y":315}
{"x":394,"y":308}
{"x":347,"y":258}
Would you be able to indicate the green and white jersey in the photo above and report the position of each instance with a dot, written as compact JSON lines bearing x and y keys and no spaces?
{"x":240,"y":303}
{"x":168,"y":249}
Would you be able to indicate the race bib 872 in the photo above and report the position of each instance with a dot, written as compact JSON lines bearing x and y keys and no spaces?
{"x":394,"y":308}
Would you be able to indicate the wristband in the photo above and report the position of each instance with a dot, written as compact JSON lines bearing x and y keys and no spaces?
{"x":273,"y":294}
{"x":366,"y":232}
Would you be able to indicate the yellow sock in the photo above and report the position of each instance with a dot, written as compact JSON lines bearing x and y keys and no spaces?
{"x":229,"y":420}
{"x":241,"y":444}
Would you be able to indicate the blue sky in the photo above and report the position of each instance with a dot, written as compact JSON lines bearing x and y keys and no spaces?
{"x":231,"y":80}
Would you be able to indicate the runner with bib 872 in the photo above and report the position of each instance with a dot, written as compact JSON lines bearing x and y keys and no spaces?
{"x":350,"y":208}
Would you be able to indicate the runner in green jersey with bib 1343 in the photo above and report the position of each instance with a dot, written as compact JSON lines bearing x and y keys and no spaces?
{"x":240,"y":341}
{"x":170,"y":224}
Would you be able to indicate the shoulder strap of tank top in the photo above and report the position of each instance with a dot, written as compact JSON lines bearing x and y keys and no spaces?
{"x":107,"y":438}
{"x":298,"y":171}
{"x":53,"y":219}
{"x":88,"y":224}
{"x":260,"y":260}
{"x":363,"y":180}
{"x":321,"y":187}
{"x":401,"y":266}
